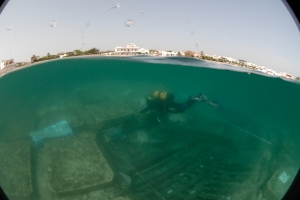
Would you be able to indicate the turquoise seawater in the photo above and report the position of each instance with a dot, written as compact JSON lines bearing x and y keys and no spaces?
{"x":248,"y":149}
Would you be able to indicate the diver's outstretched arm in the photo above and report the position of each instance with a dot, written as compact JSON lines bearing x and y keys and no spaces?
{"x":203,"y":98}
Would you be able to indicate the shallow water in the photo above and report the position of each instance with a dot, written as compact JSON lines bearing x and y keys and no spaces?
{"x":249,"y":143}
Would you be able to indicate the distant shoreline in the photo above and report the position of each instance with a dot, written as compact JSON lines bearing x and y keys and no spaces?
{"x":97,"y":55}
{"x":51,"y":60}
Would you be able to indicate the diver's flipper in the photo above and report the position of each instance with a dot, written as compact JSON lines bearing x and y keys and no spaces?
{"x":214,"y":104}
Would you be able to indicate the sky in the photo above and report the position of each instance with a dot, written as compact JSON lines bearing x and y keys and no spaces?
{"x":261,"y":32}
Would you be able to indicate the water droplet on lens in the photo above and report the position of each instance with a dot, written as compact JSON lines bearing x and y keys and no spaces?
{"x":9,"y":28}
{"x":192,"y":32}
{"x":52,"y":23}
{"x":142,"y":11}
{"x":129,"y":23}
{"x":117,"y":5}
{"x":88,"y":24}
{"x":196,"y":44}
{"x":82,"y":43}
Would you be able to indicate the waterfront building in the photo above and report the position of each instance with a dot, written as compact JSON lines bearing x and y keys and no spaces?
{"x":168,"y":53}
{"x":261,"y":69}
{"x":62,"y":54}
{"x":197,"y":55}
{"x":285,"y":75}
{"x":229,"y":59}
{"x":271,"y":72}
{"x":8,"y":65}
{"x":144,"y":51}
{"x":130,"y":49}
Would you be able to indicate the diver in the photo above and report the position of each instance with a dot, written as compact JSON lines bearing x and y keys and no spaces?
{"x":164,"y":102}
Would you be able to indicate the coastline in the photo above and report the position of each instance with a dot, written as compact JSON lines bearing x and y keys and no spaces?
{"x":234,"y":67}
{"x":51,"y":60}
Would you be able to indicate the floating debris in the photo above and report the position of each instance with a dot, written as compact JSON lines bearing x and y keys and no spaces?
{"x":117,"y":5}
{"x":9,"y":27}
{"x":52,"y":23}
{"x":193,"y":191}
{"x":181,"y":174}
{"x":129,"y":23}
{"x":170,"y":191}
{"x":88,"y":24}
{"x":201,"y":166}
{"x":211,"y":158}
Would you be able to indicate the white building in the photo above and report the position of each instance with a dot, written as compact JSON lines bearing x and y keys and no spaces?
{"x":271,"y":72}
{"x":167,"y":53}
{"x":62,"y":55}
{"x":230,"y":59}
{"x":261,"y":69}
{"x":8,"y":65}
{"x":144,"y":51}
{"x":130,"y":49}
{"x":285,"y":75}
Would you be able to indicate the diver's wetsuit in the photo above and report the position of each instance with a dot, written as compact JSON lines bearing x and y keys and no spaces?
{"x":167,"y":104}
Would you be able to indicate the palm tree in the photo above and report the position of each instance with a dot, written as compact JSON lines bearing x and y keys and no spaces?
{"x":48,"y":54}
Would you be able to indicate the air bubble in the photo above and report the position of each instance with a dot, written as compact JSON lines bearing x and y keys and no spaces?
{"x":52,"y":23}
{"x":129,"y":23}
{"x":117,"y":5}
{"x":9,"y":27}
{"x":88,"y":24}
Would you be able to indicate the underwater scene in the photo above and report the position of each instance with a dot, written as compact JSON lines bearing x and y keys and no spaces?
{"x":72,"y":129}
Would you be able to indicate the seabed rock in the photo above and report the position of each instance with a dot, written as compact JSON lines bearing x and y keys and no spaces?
{"x":15,"y":169}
